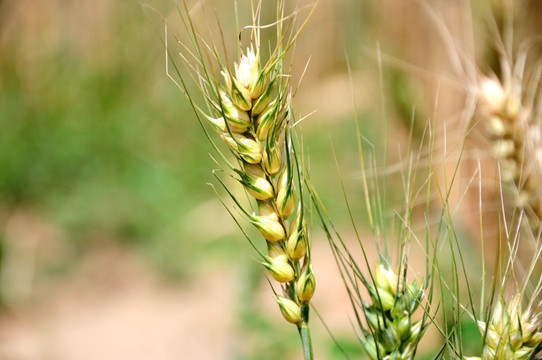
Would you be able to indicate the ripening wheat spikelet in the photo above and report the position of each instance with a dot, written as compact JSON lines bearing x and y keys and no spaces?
{"x":249,"y":107}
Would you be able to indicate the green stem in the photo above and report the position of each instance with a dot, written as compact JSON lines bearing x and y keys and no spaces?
{"x":305,"y":340}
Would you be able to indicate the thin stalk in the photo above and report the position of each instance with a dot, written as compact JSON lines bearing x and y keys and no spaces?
{"x":306,"y":342}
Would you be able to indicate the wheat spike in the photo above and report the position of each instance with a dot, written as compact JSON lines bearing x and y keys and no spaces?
{"x":510,"y":333}
{"x":513,"y":126}
{"x":249,"y":107}
{"x":267,"y":171}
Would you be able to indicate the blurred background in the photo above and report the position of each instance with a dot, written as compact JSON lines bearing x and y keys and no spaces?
{"x":113,"y":246}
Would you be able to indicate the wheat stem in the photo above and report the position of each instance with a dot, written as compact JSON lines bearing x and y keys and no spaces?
{"x":306,"y":341}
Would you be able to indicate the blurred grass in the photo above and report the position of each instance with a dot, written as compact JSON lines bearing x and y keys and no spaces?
{"x":96,"y":140}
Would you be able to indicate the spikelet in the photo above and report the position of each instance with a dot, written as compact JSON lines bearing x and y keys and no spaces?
{"x":255,"y":182}
{"x":267,"y":120}
{"x":289,"y":309}
{"x":305,"y":285}
{"x":235,"y":116}
{"x":272,"y":159}
{"x":296,"y":245}
{"x":285,"y":200}
{"x":280,"y":268}
{"x":246,"y":148}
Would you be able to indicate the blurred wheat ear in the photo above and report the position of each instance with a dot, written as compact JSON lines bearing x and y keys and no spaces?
{"x":509,"y":107}
{"x":506,"y":105}
{"x":249,"y":107}
{"x":510,"y":110}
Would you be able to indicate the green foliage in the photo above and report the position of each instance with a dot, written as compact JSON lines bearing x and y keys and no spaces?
{"x":97,"y":141}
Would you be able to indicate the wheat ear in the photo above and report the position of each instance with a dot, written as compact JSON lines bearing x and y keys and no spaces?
{"x":508,"y":110}
{"x":261,"y":105}
{"x":267,"y":171}
{"x":391,"y":332}
{"x":510,"y":333}
{"x":249,"y":107}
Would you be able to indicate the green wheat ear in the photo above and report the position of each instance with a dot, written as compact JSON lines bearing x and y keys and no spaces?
{"x":249,"y":107}
{"x":509,"y":329}
{"x":391,"y":331}
{"x":511,"y":326}
{"x":393,"y":318}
